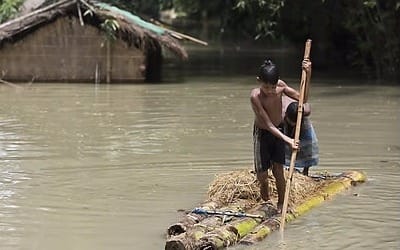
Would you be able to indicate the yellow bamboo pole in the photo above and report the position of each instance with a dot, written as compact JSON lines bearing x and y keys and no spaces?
{"x":303,"y":84}
{"x":227,"y":235}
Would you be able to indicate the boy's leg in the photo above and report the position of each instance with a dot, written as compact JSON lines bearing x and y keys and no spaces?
{"x":262,"y":141}
{"x":262,"y":178}
{"x":305,"y":171}
{"x":277,"y":171}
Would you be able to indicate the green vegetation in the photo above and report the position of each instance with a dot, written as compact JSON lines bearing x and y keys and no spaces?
{"x":357,"y":34}
{"x":8,"y":8}
{"x":374,"y":28}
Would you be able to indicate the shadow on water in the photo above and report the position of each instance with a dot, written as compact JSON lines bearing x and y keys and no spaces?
{"x":220,"y":61}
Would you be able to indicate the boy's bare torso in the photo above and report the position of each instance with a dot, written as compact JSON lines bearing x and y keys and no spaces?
{"x":272,"y":104}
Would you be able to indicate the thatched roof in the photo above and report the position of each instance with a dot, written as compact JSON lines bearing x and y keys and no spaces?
{"x":132,"y":29}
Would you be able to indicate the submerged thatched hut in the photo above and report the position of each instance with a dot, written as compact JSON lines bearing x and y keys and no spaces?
{"x":83,"y":41}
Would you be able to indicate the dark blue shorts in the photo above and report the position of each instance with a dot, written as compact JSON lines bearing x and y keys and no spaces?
{"x":267,"y":149}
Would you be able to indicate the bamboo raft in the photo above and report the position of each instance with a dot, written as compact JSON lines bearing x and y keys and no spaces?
{"x":235,"y":214}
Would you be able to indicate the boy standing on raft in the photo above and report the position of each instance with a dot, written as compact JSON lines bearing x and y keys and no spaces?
{"x":268,"y":136}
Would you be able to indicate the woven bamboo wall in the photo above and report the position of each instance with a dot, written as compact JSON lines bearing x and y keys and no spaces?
{"x":65,"y":51}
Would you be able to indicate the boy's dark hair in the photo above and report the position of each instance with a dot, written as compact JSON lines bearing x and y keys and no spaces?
{"x":268,"y":72}
{"x":291,"y":111}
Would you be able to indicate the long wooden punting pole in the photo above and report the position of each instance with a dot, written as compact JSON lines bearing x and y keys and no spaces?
{"x":303,"y":85}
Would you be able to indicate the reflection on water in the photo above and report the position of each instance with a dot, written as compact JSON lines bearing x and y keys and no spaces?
{"x":108,"y":166}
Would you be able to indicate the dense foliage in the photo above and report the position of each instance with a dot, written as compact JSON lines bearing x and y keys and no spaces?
{"x":8,"y":8}
{"x":360,"y":33}
{"x":363,"y":34}
{"x":374,"y":27}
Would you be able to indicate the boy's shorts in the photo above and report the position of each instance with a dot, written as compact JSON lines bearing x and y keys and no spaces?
{"x":267,"y":149}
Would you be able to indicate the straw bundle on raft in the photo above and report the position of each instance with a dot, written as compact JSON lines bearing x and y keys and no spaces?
{"x":239,"y":191}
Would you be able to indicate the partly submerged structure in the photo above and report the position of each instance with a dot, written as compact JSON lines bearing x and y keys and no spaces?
{"x":235,"y":214}
{"x":83,"y":41}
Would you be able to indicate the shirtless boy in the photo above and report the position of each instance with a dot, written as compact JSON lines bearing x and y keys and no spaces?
{"x":268,"y":136}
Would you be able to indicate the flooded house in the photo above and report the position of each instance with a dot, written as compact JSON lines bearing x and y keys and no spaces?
{"x":84,"y":41}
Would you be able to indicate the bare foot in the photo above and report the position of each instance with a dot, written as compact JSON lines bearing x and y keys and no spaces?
{"x":267,"y":203}
{"x":279,"y":208}
{"x":269,"y":208}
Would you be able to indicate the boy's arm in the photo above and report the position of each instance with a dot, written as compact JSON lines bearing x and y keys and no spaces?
{"x":306,"y":65}
{"x":291,"y":92}
{"x":307,"y":109}
{"x":263,"y":117}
